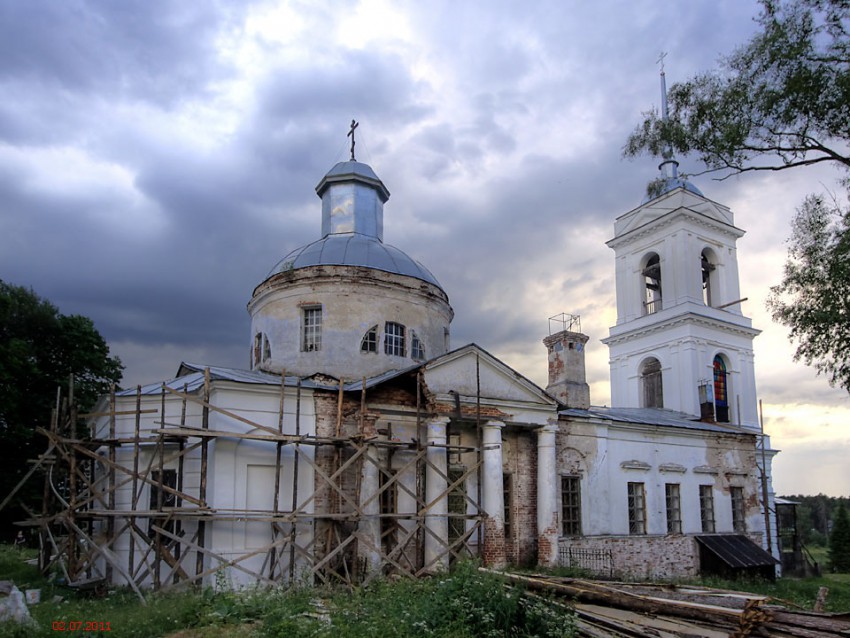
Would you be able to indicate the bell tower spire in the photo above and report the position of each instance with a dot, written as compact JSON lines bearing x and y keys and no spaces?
{"x":669,"y":167}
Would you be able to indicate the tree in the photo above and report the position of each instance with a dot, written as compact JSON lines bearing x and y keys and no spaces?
{"x":813,"y":298}
{"x":839,"y":541}
{"x":778,"y":102}
{"x":39,"y":349}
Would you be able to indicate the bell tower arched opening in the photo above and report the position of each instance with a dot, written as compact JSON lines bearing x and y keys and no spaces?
{"x":708,"y":269}
{"x":721,"y":390}
{"x":651,"y":385}
{"x":651,"y":279}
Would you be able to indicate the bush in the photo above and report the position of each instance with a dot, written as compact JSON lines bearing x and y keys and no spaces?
{"x":839,"y":541}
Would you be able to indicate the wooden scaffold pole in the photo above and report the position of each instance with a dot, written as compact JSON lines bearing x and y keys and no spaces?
{"x":296,"y":454}
{"x":202,"y":489}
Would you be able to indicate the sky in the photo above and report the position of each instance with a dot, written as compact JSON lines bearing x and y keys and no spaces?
{"x":157,"y":158}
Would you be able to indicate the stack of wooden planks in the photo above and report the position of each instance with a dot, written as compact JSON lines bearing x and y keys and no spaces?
{"x":615,"y":610}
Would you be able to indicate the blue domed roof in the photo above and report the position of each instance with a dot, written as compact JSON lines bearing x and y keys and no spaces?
{"x":354,"y":249}
{"x":670,"y":184}
{"x":670,"y":180}
{"x":353,"y":171}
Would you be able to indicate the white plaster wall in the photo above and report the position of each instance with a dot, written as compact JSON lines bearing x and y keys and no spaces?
{"x":240,"y":474}
{"x":669,"y":456}
{"x":500,"y":387}
{"x":679,"y":246}
{"x":353,"y":300}
{"x":686,"y":350}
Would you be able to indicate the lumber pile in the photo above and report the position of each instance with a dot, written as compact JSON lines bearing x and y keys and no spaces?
{"x":626,"y":610}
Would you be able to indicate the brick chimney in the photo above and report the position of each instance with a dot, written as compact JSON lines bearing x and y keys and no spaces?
{"x":567,"y":378}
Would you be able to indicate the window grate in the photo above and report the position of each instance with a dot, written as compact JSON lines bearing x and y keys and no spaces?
{"x":570,"y":506}
{"x":706,"y":508}
{"x":674,"y":508}
{"x":739,"y":519}
{"x":637,"y":508}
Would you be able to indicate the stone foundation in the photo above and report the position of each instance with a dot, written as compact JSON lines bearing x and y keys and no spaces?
{"x":633,"y":557}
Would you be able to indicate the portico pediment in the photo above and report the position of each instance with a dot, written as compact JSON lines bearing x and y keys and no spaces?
{"x":470,"y":371}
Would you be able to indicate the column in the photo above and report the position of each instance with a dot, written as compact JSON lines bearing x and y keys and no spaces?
{"x":492,"y":496}
{"x":547,"y":497}
{"x":369,"y":527}
{"x":436,"y":498}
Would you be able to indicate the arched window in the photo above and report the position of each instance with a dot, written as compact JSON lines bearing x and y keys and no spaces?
{"x":707,"y":268}
{"x":394,"y":339}
{"x":652,"y":284}
{"x":370,"y":340}
{"x":267,"y":349}
{"x":652,"y":391}
{"x":258,"y":349}
{"x":721,"y":391}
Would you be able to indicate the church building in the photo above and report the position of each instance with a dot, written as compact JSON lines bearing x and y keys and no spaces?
{"x":360,"y":443}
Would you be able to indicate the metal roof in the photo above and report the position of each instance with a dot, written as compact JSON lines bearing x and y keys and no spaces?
{"x":371,"y":382}
{"x":353,"y":171}
{"x":737,"y":551}
{"x":352,"y":227}
{"x":671,"y":184}
{"x":652,"y":416}
{"x":354,"y":249}
{"x":192,"y":378}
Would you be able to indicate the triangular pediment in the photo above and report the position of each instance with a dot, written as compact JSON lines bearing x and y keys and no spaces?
{"x":464,"y":370}
{"x":669,"y":204}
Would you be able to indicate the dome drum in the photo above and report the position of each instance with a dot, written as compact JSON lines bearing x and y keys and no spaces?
{"x":346,"y":322}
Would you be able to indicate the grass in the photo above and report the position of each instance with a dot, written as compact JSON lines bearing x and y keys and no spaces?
{"x":462,"y":604}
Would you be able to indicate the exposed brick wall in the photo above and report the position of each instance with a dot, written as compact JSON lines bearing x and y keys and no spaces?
{"x":494,"y":544}
{"x":644,"y":557}
{"x":520,"y":461}
{"x":470,"y":411}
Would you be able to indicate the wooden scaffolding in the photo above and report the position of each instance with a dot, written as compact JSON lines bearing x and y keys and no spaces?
{"x":167,"y":540}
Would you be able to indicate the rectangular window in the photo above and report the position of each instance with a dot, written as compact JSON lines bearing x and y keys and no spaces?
{"x":706,"y":508}
{"x":674,"y":508}
{"x":394,"y":339}
{"x":507,"y":494}
{"x":739,"y":521}
{"x":417,"y":350}
{"x":570,"y":506}
{"x":637,"y":509}
{"x":311,"y":331}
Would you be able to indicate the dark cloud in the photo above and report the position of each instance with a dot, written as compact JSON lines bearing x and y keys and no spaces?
{"x":150,"y":178}
{"x":131,"y":49}
{"x":352,"y":83}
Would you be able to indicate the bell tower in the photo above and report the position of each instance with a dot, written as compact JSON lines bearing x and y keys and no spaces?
{"x":681,"y":340}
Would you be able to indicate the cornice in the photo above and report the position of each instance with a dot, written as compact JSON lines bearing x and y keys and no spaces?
{"x":667,"y":219}
{"x":677,"y":320}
